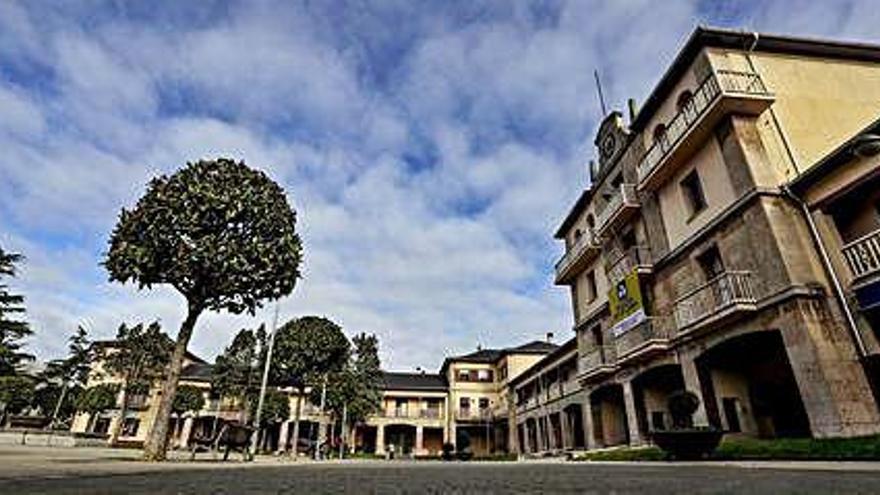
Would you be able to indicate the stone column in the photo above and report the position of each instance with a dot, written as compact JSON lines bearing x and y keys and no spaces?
{"x":282,"y":436}
{"x":380,"y":439}
{"x":589,"y":431}
{"x":185,"y":433}
{"x":566,"y":430}
{"x":632,"y":417}
{"x":692,"y":384}
{"x":420,"y":440}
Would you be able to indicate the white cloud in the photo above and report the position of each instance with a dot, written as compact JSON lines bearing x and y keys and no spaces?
{"x":435,"y":253}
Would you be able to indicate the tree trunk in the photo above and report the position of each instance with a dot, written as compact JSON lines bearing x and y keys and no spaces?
{"x":123,"y":410}
{"x":58,"y":404}
{"x":296,"y":416}
{"x":156,"y":446}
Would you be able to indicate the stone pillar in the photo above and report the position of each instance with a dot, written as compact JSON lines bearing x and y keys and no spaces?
{"x":420,"y":440}
{"x":632,"y":417}
{"x":380,"y":439}
{"x":185,"y":433}
{"x":589,"y":430}
{"x":566,"y":430}
{"x":835,"y":392}
{"x":692,"y":384}
{"x":282,"y":436}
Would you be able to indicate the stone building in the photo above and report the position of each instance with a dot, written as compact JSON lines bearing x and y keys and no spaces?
{"x":691,"y":267}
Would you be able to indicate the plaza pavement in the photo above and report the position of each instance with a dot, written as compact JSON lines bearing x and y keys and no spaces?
{"x":88,"y":470}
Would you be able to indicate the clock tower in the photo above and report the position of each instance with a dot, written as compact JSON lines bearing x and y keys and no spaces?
{"x":611,"y":139}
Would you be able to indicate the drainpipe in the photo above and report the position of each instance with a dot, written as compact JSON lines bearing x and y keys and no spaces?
{"x":829,"y":270}
{"x":782,"y":135}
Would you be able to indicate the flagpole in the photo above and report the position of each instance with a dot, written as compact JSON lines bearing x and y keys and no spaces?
{"x":253,"y":446}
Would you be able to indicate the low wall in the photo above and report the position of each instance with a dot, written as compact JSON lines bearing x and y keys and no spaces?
{"x":45,"y":438}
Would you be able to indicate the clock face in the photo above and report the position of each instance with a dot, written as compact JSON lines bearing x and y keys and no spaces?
{"x":608,"y":145}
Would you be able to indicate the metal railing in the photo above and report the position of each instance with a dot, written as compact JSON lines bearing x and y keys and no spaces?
{"x":716,"y":295}
{"x":596,"y":357}
{"x":626,"y":194}
{"x":431,"y":413}
{"x":655,"y":328}
{"x":623,"y":264}
{"x":721,"y":81}
{"x":473,"y":414}
{"x":863,"y":255}
{"x":586,"y":241}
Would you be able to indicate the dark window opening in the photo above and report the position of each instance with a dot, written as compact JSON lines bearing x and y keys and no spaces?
{"x":711,"y":263}
{"x":693,"y":193}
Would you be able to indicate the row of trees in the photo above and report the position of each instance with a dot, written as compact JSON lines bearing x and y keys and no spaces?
{"x":310,"y":354}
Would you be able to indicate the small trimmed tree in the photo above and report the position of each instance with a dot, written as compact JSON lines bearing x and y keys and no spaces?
{"x":189,"y":398}
{"x":355,"y":392}
{"x":307,"y":350}
{"x":97,"y":399}
{"x":139,"y":357}
{"x":237,"y":371}
{"x":16,"y":393}
{"x":12,"y":331}
{"x":71,"y":372}
{"x":220,"y":233}
{"x":276,"y":408}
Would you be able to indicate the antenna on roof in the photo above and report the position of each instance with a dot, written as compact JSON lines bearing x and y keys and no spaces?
{"x":599,"y":90}
{"x":549,"y":337}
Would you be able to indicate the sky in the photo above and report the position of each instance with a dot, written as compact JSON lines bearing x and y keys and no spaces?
{"x":430,"y":148}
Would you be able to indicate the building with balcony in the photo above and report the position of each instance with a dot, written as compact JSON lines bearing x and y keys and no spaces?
{"x":548,"y":410}
{"x":480,"y":410}
{"x":702,"y":273}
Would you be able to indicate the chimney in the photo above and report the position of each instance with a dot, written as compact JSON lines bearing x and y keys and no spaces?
{"x":549,"y":337}
{"x":479,"y":347}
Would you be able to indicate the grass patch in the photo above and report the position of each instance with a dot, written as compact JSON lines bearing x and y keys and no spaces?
{"x":840,"y":449}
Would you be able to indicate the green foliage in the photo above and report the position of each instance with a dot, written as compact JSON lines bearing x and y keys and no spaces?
{"x":306,"y":349}
{"x":12,"y":331}
{"x":276,"y":408}
{"x":357,"y":387}
{"x":16,"y":393}
{"x":237,"y":371}
{"x":47,"y":396}
{"x":189,"y":398}
{"x":218,"y":231}
{"x":139,"y":356}
{"x":75,"y":368}
{"x":98,"y":398}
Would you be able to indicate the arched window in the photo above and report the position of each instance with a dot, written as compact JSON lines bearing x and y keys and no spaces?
{"x":577,"y":234}
{"x":684,"y":100}
{"x":660,"y":134}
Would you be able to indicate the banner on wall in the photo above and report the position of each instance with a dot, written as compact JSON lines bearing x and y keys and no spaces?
{"x":625,"y":303}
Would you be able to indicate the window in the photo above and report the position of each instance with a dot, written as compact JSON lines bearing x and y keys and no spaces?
{"x":484,"y":375}
{"x":464,"y":403}
{"x":484,"y":403}
{"x":711,"y":263}
{"x":464,"y":375}
{"x":685,"y":98}
{"x":591,"y":286}
{"x":731,"y":413}
{"x":101,"y":425}
{"x":692,"y":190}
{"x":628,"y":240}
{"x":660,"y":134}
{"x":130,"y":427}
{"x":502,"y":371}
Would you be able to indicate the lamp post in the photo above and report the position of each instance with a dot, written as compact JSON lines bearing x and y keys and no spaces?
{"x":253,"y":446}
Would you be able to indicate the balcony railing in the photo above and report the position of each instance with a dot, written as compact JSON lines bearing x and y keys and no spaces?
{"x":635,"y":257}
{"x":727,"y":291}
{"x":586,"y":242}
{"x":598,"y":357}
{"x":863,"y":255}
{"x":721,"y":82}
{"x":431,"y":413}
{"x":650,"y":335}
{"x":624,"y":197}
{"x":473,"y":414}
